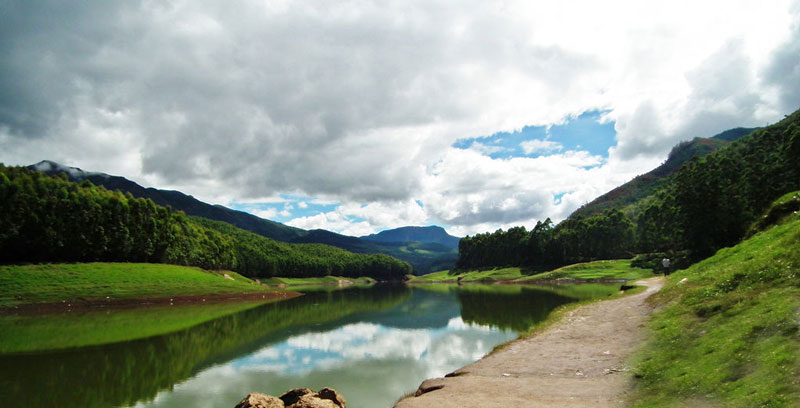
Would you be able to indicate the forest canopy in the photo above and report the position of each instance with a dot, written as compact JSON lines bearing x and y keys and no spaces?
{"x":710,"y":203}
{"x":50,"y":219}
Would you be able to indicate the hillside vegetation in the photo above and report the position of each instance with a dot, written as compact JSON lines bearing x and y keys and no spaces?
{"x":627,"y":195}
{"x":729,"y":327}
{"x":425,"y":248}
{"x":708,"y":203}
{"x":50,"y":219}
{"x":609,"y":269}
{"x":175,"y":199}
{"x":261,"y":257}
{"x":26,"y":284}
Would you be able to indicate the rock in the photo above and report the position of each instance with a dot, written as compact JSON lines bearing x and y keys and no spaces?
{"x":331,"y":394}
{"x":429,"y":385}
{"x":306,"y":398}
{"x":293,"y":395}
{"x":226,"y":276}
{"x":683,"y":281}
{"x":295,"y":398}
{"x":256,"y":400}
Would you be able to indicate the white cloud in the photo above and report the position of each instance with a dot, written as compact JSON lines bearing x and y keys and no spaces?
{"x":540,"y":146}
{"x":487,"y":149}
{"x":269,"y":213}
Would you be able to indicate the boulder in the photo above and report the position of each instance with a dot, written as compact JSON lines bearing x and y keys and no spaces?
{"x":295,"y":398}
{"x":305,"y":398}
{"x":331,"y":394}
{"x":431,"y":384}
{"x":256,"y":400}
{"x":292,"y":396}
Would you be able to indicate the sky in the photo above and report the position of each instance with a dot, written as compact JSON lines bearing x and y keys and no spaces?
{"x":359,"y":116}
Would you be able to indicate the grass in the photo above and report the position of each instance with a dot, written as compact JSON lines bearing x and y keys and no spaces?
{"x":729,"y":333}
{"x":28,"y":333}
{"x":498,"y":274}
{"x":21,"y":284}
{"x":614,"y":269}
{"x":324,"y":280}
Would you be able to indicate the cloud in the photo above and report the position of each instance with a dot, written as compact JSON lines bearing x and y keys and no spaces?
{"x":360,"y":102}
{"x":540,"y":146}
{"x":784,"y":67}
{"x":487,"y":149}
{"x":364,"y":219}
{"x":269,"y":213}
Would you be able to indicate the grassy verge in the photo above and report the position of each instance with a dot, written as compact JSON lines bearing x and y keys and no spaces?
{"x":614,"y":269}
{"x":28,"y":333}
{"x":729,"y":333}
{"x":23,"y":284}
{"x":498,"y":274}
{"x":324,"y":280}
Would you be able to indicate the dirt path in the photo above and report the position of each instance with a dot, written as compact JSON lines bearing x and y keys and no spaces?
{"x":579,"y":362}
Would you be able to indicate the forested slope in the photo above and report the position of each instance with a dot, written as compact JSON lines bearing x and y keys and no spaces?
{"x":50,"y":219}
{"x":646,"y":184}
{"x":709,"y":203}
{"x":424,"y":256}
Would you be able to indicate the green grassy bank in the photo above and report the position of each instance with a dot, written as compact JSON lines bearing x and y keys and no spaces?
{"x":49,"y":283}
{"x":728,"y":334}
{"x":614,"y":269}
{"x":34,"y":333}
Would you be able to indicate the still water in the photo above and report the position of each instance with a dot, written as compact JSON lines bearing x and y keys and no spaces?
{"x":373,"y":345}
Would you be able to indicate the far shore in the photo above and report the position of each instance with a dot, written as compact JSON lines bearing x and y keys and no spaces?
{"x":127,"y":303}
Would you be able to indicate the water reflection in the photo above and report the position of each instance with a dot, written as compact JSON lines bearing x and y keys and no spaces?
{"x":373,"y":345}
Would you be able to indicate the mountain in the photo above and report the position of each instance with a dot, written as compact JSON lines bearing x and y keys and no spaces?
{"x":352,"y":244}
{"x":646,"y":184}
{"x":734,"y":134}
{"x":176,"y":200}
{"x":424,"y":257}
{"x":432,"y":234}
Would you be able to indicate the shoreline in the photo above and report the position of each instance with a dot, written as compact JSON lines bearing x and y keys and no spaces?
{"x":563,"y":281}
{"x":142,"y":302}
{"x":569,"y":363}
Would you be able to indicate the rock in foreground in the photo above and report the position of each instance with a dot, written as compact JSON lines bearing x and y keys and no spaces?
{"x":295,"y":398}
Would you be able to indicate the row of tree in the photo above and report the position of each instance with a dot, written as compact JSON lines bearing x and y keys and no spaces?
{"x":708,"y":204}
{"x":712,"y":202}
{"x":50,"y":219}
{"x":605,"y":236}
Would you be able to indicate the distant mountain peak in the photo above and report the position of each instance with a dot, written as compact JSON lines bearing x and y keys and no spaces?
{"x":645,"y":184}
{"x":74,"y":173}
{"x":428,"y":234}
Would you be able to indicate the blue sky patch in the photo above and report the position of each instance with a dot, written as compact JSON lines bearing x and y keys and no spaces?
{"x":292,"y":206}
{"x":584,"y":132}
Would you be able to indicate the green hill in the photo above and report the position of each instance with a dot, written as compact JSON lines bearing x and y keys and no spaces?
{"x":704,"y":197}
{"x":727,"y":332}
{"x":50,"y":219}
{"x":430,"y":235}
{"x":422,"y":260}
{"x":175,"y":199}
{"x":647,"y":184}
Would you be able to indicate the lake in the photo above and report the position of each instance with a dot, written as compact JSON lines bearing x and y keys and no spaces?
{"x":373,"y":345}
